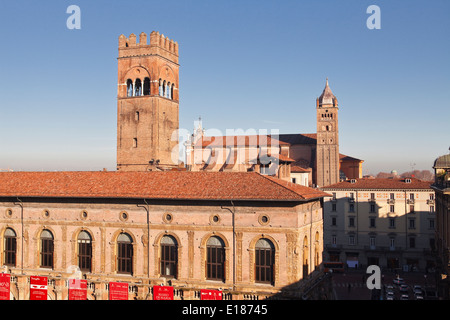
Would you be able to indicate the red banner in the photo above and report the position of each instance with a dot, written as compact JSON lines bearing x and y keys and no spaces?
{"x":5,"y":280}
{"x":210,"y":294}
{"x":77,"y":289}
{"x":162,"y":293}
{"x":38,"y":288}
{"x":118,"y":291}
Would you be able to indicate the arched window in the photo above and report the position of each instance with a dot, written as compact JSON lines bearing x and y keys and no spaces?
{"x":215,"y":259}
{"x":146,"y":86}
{"x":168,"y":90}
{"x":85,"y":251}
{"x":164,"y":89}
{"x":264,"y":261}
{"x":124,"y":254}
{"x":161,"y":89}
{"x":10,"y":248}
{"x":305,"y":257}
{"x":169,"y":257}
{"x":138,"y":88}
{"x":46,"y":249}
{"x":129,"y":88}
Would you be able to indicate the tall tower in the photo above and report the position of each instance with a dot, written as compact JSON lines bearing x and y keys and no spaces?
{"x":327,"y":151}
{"x":147,"y":103}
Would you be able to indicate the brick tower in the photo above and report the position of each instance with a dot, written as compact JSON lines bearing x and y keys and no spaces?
{"x":327,"y":152}
{"x":147,"y":103}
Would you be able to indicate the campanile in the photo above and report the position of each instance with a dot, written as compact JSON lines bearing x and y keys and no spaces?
{"x":147,"y":103}
{"x":327,"y":152}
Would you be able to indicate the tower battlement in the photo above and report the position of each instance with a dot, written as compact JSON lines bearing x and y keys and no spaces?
{"x":130,"y":46}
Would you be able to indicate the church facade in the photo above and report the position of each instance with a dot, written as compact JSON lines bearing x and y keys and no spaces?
{"x":311,"y":159}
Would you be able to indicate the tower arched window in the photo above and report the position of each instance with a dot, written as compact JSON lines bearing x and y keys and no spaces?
{"x":129,"y":88}
{"x":164,"y":88}
{"x":169,"y":257}
{"x":84,"y":251}
{"x":161,"y":89}
{"x":215,"y":259}
{"x":47,"y":249}
{"x":264,"y":261}
{"x":146,"y":86}
{"x":138,"y":88}
{"x":10,"y":247}
{"x":124,"y":254}
{"x":168,"y":91}
{"x":171,"y":91}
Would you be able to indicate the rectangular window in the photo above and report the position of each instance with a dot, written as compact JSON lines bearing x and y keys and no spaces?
{"x":351,"y":240}
{"x":392,"y":244}
{"x":372,"y":242}
{"x":392,"y":196}
{"x":351,"y":221}
{"x":411,"y":196}
{"x":135,"y":143}
{"x":333,"y":221}
{"x":333,"y":240}
{"x":431,"y":224}
{"x":351,"y":208}
{"x":431,"y":209}
{"x":392,"y":208}
{"x":431,"y":196}
{"x":352,"y":195}
{"x":412,"y":223}
{"x":294,"y":180}
{"x":372,"y":208}
{"x":372,"y":222}
{"x":372,"y":196}
{"x":136,"y":116}
{"x":412,"y":242}
{"x":391,"y":222}
{"x":334,"y":195}
{"x":411,"y":208}
{"x":333,"y":207}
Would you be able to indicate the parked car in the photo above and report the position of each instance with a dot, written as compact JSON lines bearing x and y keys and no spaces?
{"x":418,"y":296}
{"x":404,"y":297}
{"x":403,"y":288}
{"x":389,"y":288}
{"x":418,"y":290}
{"x":399,"y":281}
{"x":390,"y":295}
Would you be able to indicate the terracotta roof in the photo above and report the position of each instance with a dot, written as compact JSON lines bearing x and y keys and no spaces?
{"x":152,"y":185}
{"x":344,"y":157}
{"x":299,"y":169}
{"x":299,"y":138}
{"x":382,"y":183}
{"x":238,"y":141}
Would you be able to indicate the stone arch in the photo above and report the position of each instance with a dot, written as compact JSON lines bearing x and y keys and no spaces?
{"x":74,"y":242}
{"x":157,"y":252}
{"x":203,"y":248}
{"x":114,"y":248}
{"x":251,"y":251}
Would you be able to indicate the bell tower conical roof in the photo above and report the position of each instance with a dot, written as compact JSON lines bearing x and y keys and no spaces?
{"x":327,"y":97}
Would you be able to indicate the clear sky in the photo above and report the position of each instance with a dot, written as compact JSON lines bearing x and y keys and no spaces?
{"x":244,"y":65}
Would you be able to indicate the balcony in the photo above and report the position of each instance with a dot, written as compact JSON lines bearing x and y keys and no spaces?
{"x":410,"y":201}
{"x":430,"y":202}
{"x":351,"y":200}
{"x":391,"y":201}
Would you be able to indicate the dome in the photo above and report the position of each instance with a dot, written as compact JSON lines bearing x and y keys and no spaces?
{"x":442,"y":162}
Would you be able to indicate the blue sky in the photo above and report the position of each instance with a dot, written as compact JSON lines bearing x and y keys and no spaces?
{"x":244,"y":65}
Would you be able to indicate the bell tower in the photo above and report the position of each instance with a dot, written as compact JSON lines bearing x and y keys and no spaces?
{"x":147,"y":103}
{"x":327,"y":150}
